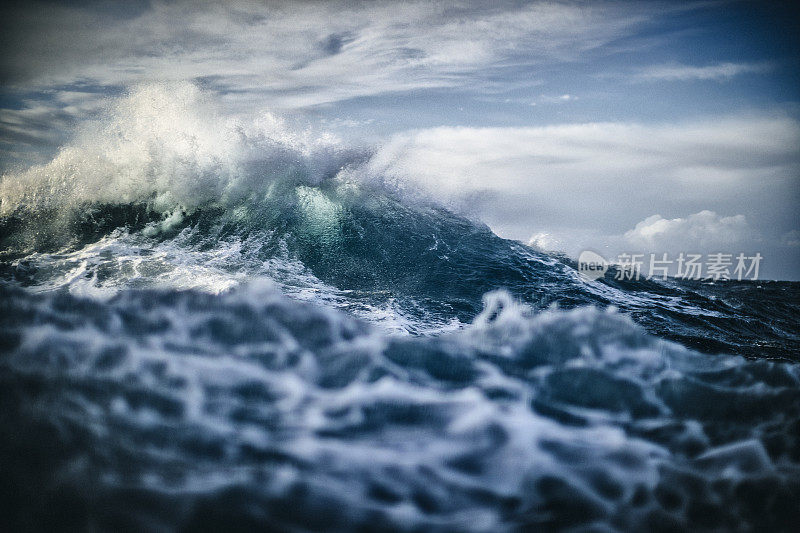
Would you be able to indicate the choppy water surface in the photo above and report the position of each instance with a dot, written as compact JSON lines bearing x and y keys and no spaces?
{"x":229,"y":329}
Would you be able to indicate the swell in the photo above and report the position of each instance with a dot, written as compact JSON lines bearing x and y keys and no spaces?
{"x":164,"y":192}
{"x":185,"y":392}
{"x":379,"y":250}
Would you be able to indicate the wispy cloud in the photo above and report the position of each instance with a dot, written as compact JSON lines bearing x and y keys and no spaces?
{"x":303,"y":53}
{"x":560,"y":99}
{"x":288,"y":55}
{"x":719,"y":71}
{"x":41,"y":124}
{"x":568,"y":180}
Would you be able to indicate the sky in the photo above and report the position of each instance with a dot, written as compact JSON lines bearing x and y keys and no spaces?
{"x":612,"y":126}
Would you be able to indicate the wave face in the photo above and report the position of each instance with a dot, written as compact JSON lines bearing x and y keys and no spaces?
{"x":217,"y":323}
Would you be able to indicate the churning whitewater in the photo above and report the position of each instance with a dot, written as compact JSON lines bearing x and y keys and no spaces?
{"x":211,"y":323}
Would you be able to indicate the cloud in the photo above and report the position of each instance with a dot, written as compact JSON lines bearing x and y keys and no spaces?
{"x":572,"y":173}
{"x":43,"y":124}
{"x":586,"y":185}
{"x":61,"y":61}
{"x":560,"y":99}
{"x":679,"y":72}
{"x":287,"y":55}
{"x":705,"y":230}
{"x":302,"y":53}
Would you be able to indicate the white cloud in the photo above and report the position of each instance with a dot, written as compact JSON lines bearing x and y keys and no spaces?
{"x":585,"y":185}
{"x":304,"y":53}
{"x":575,"y":172}
{"x":560,"y":99}
{"x":287,"y":55}
{"x":38,"y":122}
{"x":705,"y":230}
{"x":679,"y":72}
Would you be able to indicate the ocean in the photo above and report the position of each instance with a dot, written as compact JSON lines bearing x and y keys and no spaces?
{"x":218,"y":329}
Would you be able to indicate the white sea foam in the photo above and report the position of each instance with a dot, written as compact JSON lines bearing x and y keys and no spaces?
{"x":561,"y":419}
{"x":167,"y":144}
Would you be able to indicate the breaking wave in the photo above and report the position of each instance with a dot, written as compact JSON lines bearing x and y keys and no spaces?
{"x":206,"y":325}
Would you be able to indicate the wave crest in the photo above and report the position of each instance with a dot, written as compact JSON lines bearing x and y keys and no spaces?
{"x":167,"y":146}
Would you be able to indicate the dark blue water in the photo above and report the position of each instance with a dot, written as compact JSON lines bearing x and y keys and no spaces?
{"x":234,"y":406}
{"x":189,"y":342}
